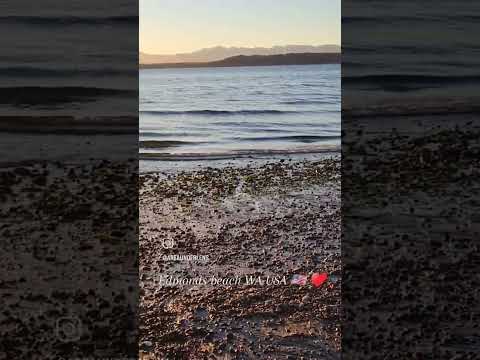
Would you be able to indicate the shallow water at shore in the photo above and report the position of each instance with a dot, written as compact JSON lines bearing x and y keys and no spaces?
{"x":180,"y":163}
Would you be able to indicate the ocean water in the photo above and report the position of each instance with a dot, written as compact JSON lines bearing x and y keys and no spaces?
{"x":64,"y":58}
{"x":410,"y":57}
{"x":240,"y":110}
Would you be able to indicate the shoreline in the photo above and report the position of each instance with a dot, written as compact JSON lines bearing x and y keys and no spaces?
{"x":192,"y":66}
{"x":288,"y":59}
{"x":326,"y":149}
{"x":179,"y":163}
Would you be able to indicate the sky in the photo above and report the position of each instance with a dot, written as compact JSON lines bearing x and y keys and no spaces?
{"x":177,"y":26}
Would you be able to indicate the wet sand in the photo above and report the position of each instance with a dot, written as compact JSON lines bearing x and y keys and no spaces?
{"x":269,"y":220}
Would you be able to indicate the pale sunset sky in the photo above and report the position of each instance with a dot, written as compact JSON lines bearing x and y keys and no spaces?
{"x":177,"y":26}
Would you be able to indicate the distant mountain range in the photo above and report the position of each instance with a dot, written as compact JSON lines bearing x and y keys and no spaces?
{"x":220,"y":53}
{"x":257,"y":60}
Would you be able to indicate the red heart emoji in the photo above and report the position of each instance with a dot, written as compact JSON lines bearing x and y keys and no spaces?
{"x":319,"y":279}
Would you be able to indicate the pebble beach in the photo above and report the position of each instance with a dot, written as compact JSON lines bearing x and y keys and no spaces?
{"x":204,"y":232}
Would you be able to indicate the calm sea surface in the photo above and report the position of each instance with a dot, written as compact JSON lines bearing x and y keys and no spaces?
{"x":59,"y":58}
{"x":410,"y":58}
{"x":239,"y":110}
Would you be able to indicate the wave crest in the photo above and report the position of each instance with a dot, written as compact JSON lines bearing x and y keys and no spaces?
{"x":220,"y":112}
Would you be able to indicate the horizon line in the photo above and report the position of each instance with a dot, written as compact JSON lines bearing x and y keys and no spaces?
{"x":230,"y":47}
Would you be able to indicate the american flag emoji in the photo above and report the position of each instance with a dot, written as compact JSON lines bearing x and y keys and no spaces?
{"x":299,"y":280}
